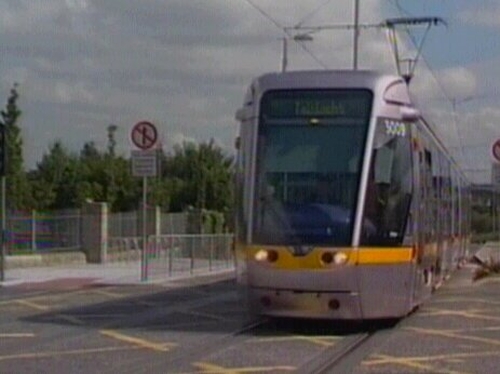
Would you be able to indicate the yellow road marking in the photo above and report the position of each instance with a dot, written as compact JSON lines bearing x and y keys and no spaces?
{"x":31,"y":300}
{"x":208,"y":368}
{"x":493,"y":279}
{"x":448,"y":334}
{"x":413,"y":362}
{"x":58,"y":296}
{"x":100,"y":315}
{"x":108,"y":293}
{"x":475,"y":329}
{"x":18,"y":335}
{"x":36,"y":355}
{"x":319,"y":340}
{"x":207,"y":315}
{"x":466,"y":299}
{"x":6,"y":302}
{"x":146,"y":303}
{"x":385,"y":359}
{"x":71,"y":319}
{"x":32,"y":305}
{"x":459,"y":313}
{"x":162,"y":347}
{"x":122,"y":296}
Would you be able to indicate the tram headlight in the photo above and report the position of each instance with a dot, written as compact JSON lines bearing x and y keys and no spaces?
{"x":261,"y":255}
{"x":266,"y":255}
{"x":340,"y":258}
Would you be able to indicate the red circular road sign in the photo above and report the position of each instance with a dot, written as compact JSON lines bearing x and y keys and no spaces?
{"x":495,"y":150}
{"x":144,"y":135}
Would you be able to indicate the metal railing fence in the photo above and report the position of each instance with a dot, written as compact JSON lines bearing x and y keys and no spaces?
{"x":171,"y":255}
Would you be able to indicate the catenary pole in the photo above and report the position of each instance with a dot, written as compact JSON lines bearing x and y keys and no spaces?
{"x":356,"y":35}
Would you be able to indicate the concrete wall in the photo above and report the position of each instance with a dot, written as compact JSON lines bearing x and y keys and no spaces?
{"x":95,"y":232}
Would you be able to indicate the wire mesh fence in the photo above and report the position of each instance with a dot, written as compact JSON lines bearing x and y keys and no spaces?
{"x":119,"y":241}
{"x":29,"y":232}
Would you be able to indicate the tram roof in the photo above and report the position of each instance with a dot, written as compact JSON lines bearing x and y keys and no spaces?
{"x":326,"y":79}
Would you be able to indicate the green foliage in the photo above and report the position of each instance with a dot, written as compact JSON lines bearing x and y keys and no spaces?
{"x":202,"y":176}
{"x":213,"y":222}
{"x":54,"y":179}
{"x":195,"y":176}
{"x":18,"y":188}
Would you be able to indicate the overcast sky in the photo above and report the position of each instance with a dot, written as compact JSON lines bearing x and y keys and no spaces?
{"x":184,"y":65}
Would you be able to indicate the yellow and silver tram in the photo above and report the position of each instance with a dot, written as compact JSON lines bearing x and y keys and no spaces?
{"x":348,"y":205}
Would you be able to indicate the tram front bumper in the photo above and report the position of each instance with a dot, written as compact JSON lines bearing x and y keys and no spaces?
{"x":302,"y":304}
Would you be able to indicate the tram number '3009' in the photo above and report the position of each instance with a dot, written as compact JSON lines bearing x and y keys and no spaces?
{"x":394,"y":127}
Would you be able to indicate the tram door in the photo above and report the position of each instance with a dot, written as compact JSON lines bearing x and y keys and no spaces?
{"x":424,"y":220}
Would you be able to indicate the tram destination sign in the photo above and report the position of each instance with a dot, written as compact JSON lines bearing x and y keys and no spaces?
{"x":338,"y":103}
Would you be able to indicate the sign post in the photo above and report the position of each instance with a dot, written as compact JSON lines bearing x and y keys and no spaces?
{"x":3,"y":205}
{"x":495,"y":176}
{"x":144,"y":164}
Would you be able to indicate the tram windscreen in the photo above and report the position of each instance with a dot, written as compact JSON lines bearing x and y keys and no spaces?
{"x":309,"y":155}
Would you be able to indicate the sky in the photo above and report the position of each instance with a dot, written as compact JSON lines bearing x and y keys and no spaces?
{"x":184,"y":65}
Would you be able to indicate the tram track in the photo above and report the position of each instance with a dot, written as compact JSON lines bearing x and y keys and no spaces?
{"x":214,"y":345}
{"x":332,"y":358}
{"x":353,"y":349}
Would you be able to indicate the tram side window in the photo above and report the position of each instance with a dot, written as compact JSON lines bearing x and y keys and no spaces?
{"x":389,"y":193}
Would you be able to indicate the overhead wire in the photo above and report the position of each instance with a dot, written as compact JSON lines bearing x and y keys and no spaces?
{"x":266,"y":15}
{"x":452,"y":101}
{"x":286,"y":32}
{"x":312,"y":13}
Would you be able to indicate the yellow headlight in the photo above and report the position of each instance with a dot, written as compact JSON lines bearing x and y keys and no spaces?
{"x":261,"y":255}
{"x":340,"y":258}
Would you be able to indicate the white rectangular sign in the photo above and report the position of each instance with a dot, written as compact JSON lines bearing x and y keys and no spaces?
{"x":145,"y":163}
{"x":495,"y":174}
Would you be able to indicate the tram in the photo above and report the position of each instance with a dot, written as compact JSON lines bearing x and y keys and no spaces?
{"x":348,"y":206}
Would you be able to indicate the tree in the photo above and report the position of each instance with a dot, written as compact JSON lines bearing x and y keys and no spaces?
{"x":48,"y":178}
{"x":200,"y":176}
{"x":18,"y":188}
{"x":107,"y":178}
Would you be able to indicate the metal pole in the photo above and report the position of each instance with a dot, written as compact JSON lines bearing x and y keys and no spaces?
{"x":33,"y":231}
{"x":284,"y":54}
{"x":497,"y":195}
{"x":144,"y":264}
{"x":356,"y":35}
{"x":3,"y":251}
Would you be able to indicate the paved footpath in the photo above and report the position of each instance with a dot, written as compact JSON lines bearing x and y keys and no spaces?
{"x":456,"y":332}
{"x":73,"y":276}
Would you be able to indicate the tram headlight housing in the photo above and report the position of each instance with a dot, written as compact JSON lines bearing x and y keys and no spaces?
{"x":336,"y":258}
{"x":340,"y":258}
{"x":268,"y":255}
{"x":327,"y":258}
